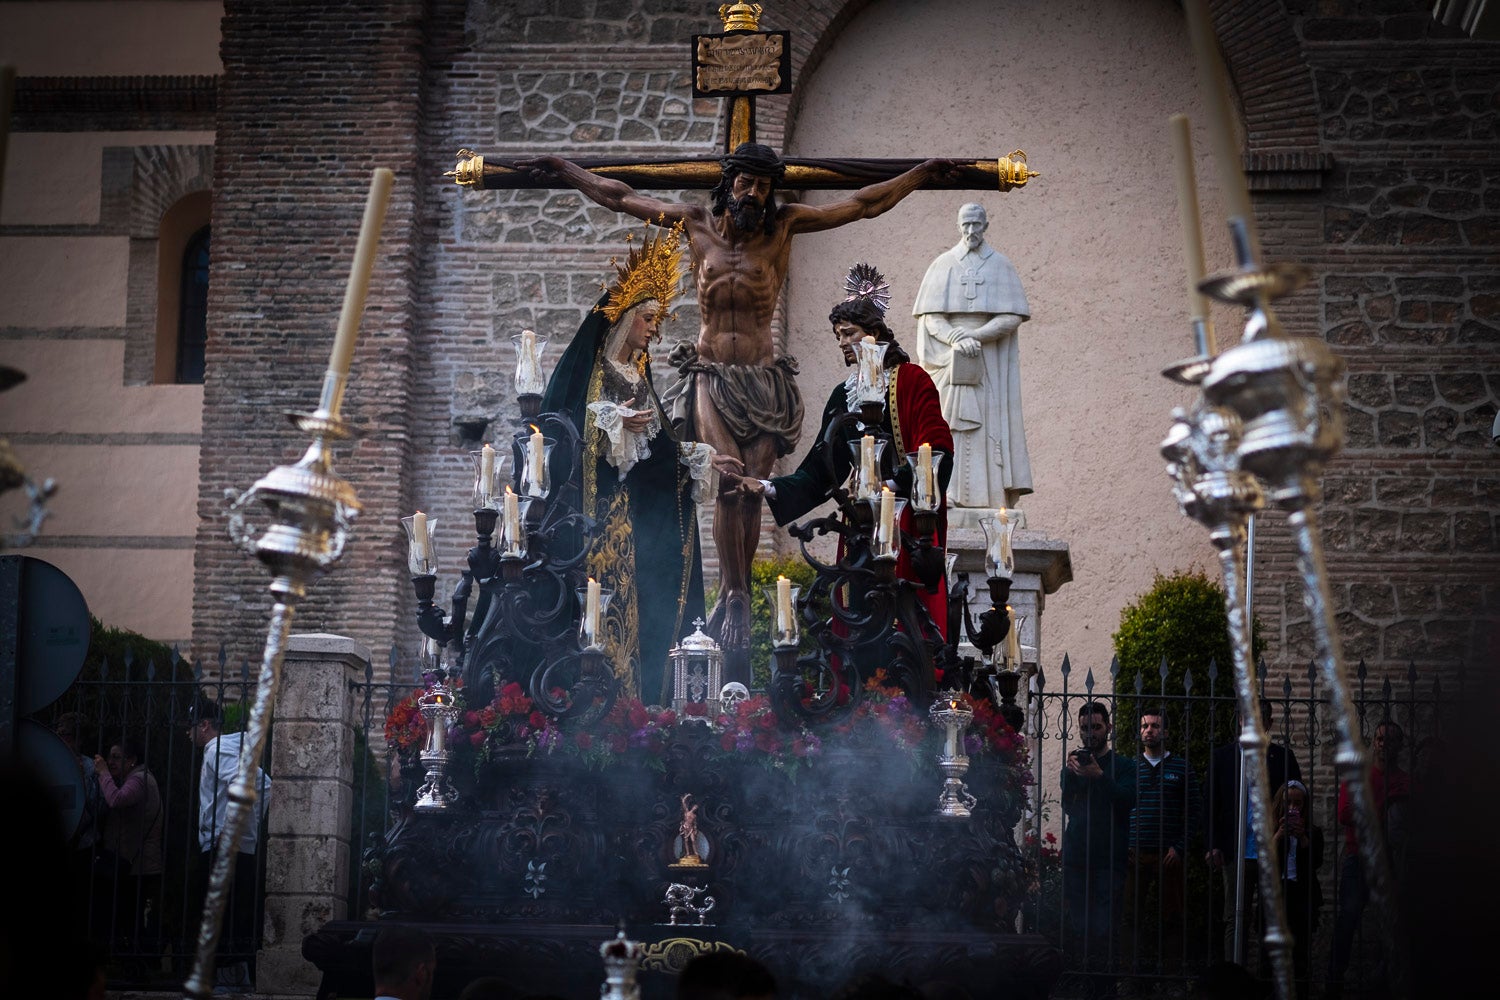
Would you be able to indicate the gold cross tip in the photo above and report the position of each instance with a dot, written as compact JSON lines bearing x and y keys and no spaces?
{"x":1014,"y":172}
{"x":740,"y":16}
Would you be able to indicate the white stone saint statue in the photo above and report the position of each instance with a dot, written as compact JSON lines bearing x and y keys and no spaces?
{"x":968,"y":310}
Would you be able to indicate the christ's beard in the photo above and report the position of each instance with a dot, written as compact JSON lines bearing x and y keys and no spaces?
{"x":747,"y":213}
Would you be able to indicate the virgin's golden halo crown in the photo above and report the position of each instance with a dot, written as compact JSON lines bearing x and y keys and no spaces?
{"x":652,"y":270}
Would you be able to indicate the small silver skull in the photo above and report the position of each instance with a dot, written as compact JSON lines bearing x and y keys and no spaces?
{"x":730,"y":695}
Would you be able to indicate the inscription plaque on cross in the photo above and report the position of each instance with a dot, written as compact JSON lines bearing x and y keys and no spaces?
{"x":741,"y":249}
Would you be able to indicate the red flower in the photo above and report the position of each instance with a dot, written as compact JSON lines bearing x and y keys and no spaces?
{"x":667,"y":718}
{"x":766,"y":722}
{"x":766,"y":742}
{"x":537,"y":720}
{"x":639,"y":716}
{"x":583,"y":740}
{"x":476,"y":738}
{"x":617,"y":743}
{"x":695,"y":708}
{"x":471,"y":720}
{"x":726,"y":742}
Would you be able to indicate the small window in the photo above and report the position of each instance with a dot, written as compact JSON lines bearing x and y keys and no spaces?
{"x":192,"y":319}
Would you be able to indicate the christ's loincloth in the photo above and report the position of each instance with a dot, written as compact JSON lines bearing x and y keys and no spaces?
{"x":751,"y":400}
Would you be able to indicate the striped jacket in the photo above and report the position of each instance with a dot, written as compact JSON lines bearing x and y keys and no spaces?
{"x":1168,"y":805}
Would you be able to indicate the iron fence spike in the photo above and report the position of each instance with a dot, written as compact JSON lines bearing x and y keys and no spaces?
{"x":1088,"y":681}
{"x":1213,"y":668}
{"x":1411,"y":672}
{"x":1163,"y":668}
{"x":1114,"y":666}
{"x":1187,"y":682}
{"x":1067,"y":666}
{"x":1361,"y":671}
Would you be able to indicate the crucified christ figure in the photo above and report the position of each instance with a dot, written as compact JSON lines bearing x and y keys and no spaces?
{"x":737,"y":393}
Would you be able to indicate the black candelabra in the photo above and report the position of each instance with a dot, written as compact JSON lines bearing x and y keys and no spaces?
{"x":536,"y":615}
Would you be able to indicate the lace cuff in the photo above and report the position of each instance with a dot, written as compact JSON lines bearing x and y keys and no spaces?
{"x":698,"y":457}
{"x":626,"y":447}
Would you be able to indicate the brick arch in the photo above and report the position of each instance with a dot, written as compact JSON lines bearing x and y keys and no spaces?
{"x":1259,"y":43}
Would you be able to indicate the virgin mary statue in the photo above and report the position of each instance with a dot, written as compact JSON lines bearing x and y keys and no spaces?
{"x":641,"y":496}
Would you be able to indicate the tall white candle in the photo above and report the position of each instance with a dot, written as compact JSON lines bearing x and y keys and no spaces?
{"x":419,"y":537}
{"x":359,"y":272}
{"x":486,"y":470}
{"x":1187,"y":212}
{"x":536,"y":454}
{"x":867,"y":465}
{"x":591,"y":612}
{"x":439,"y":733}
{"x":1215,"y":89}
{"x":924,"y":469}
{"x":950,"y":738}
{"x":512,"y":522}
{"x":887,"y":520}
{"x":783,"y":606}
{"x":1007,"y":554}
{"x":528,"y":364}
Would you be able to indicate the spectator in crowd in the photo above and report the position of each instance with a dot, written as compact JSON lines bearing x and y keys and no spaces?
{"x":1098,"y":792}
{"x":1392,"y":788}
{"x":725,"y":975}
{"x":87,"y":886}
{"x":1165,"y":820}
{"x":403,"y":962}
{"x":220,"y":767}
{"x":1223,"y":833}
{"x":132,"y":833}
{"x":1299,"y":853}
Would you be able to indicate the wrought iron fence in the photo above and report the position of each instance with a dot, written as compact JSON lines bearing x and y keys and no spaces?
{"x":1166,"y":924}
{"x":137,"y":874}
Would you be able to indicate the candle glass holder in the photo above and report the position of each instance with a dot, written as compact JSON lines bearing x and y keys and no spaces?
{"x":924,"y":484}
{"x":488,"y":489}
{"x":866,"y":479}
{"x":885,"y":545}
{"x":513,"y":532}
{"x":784,"y":628}
{"x":999,"y":555}
{"x":421,"y":554}
{"x":589,"y":637}
{"x":870,"y":375}
{"x":535,"y":478}
{"x":530,"y":380}
{"x":949,"y":712}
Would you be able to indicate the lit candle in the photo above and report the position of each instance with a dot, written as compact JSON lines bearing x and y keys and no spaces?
{"x":887,"y":520}
{"x":1215,"y":90}
{"x":359,"y":284}
{"x":591,"y":612}
{"x":924,"y":468}
{"x":867,"y":360}
{"x":528,"y":365}
{"x":486,"y":471}
{"x":419,"y":539}
{"x":536,"y":454}
{"x":783,"y":606}
{"x":439,"y":733}
{"x":950,"y":741}
{"x":512,"y":523}
{"x":1012,"y":641}
{"x":866,"y":486}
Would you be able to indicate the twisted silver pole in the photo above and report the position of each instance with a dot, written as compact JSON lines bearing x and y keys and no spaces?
{"x":1202,"y":453}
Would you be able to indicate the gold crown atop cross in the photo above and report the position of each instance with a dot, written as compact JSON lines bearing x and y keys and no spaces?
{"x":740,"y":16}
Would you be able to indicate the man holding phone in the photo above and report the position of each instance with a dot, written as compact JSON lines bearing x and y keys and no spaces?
{"x":1098,"y":791}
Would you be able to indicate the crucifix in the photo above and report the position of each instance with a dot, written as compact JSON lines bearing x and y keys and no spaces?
{"x":736,"y":391}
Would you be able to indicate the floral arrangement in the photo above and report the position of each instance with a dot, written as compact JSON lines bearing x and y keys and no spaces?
{"x":511,"y":722}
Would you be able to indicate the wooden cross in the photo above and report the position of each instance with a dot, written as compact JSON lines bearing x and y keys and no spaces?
{"x":741,"y":24}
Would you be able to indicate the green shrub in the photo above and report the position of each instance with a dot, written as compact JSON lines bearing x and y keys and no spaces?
{"x":1180,"y":619}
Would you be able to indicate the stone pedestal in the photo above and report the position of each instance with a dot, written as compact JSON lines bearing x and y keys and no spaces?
{"x":312,"y":800}
{"x":1043,"y":564}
